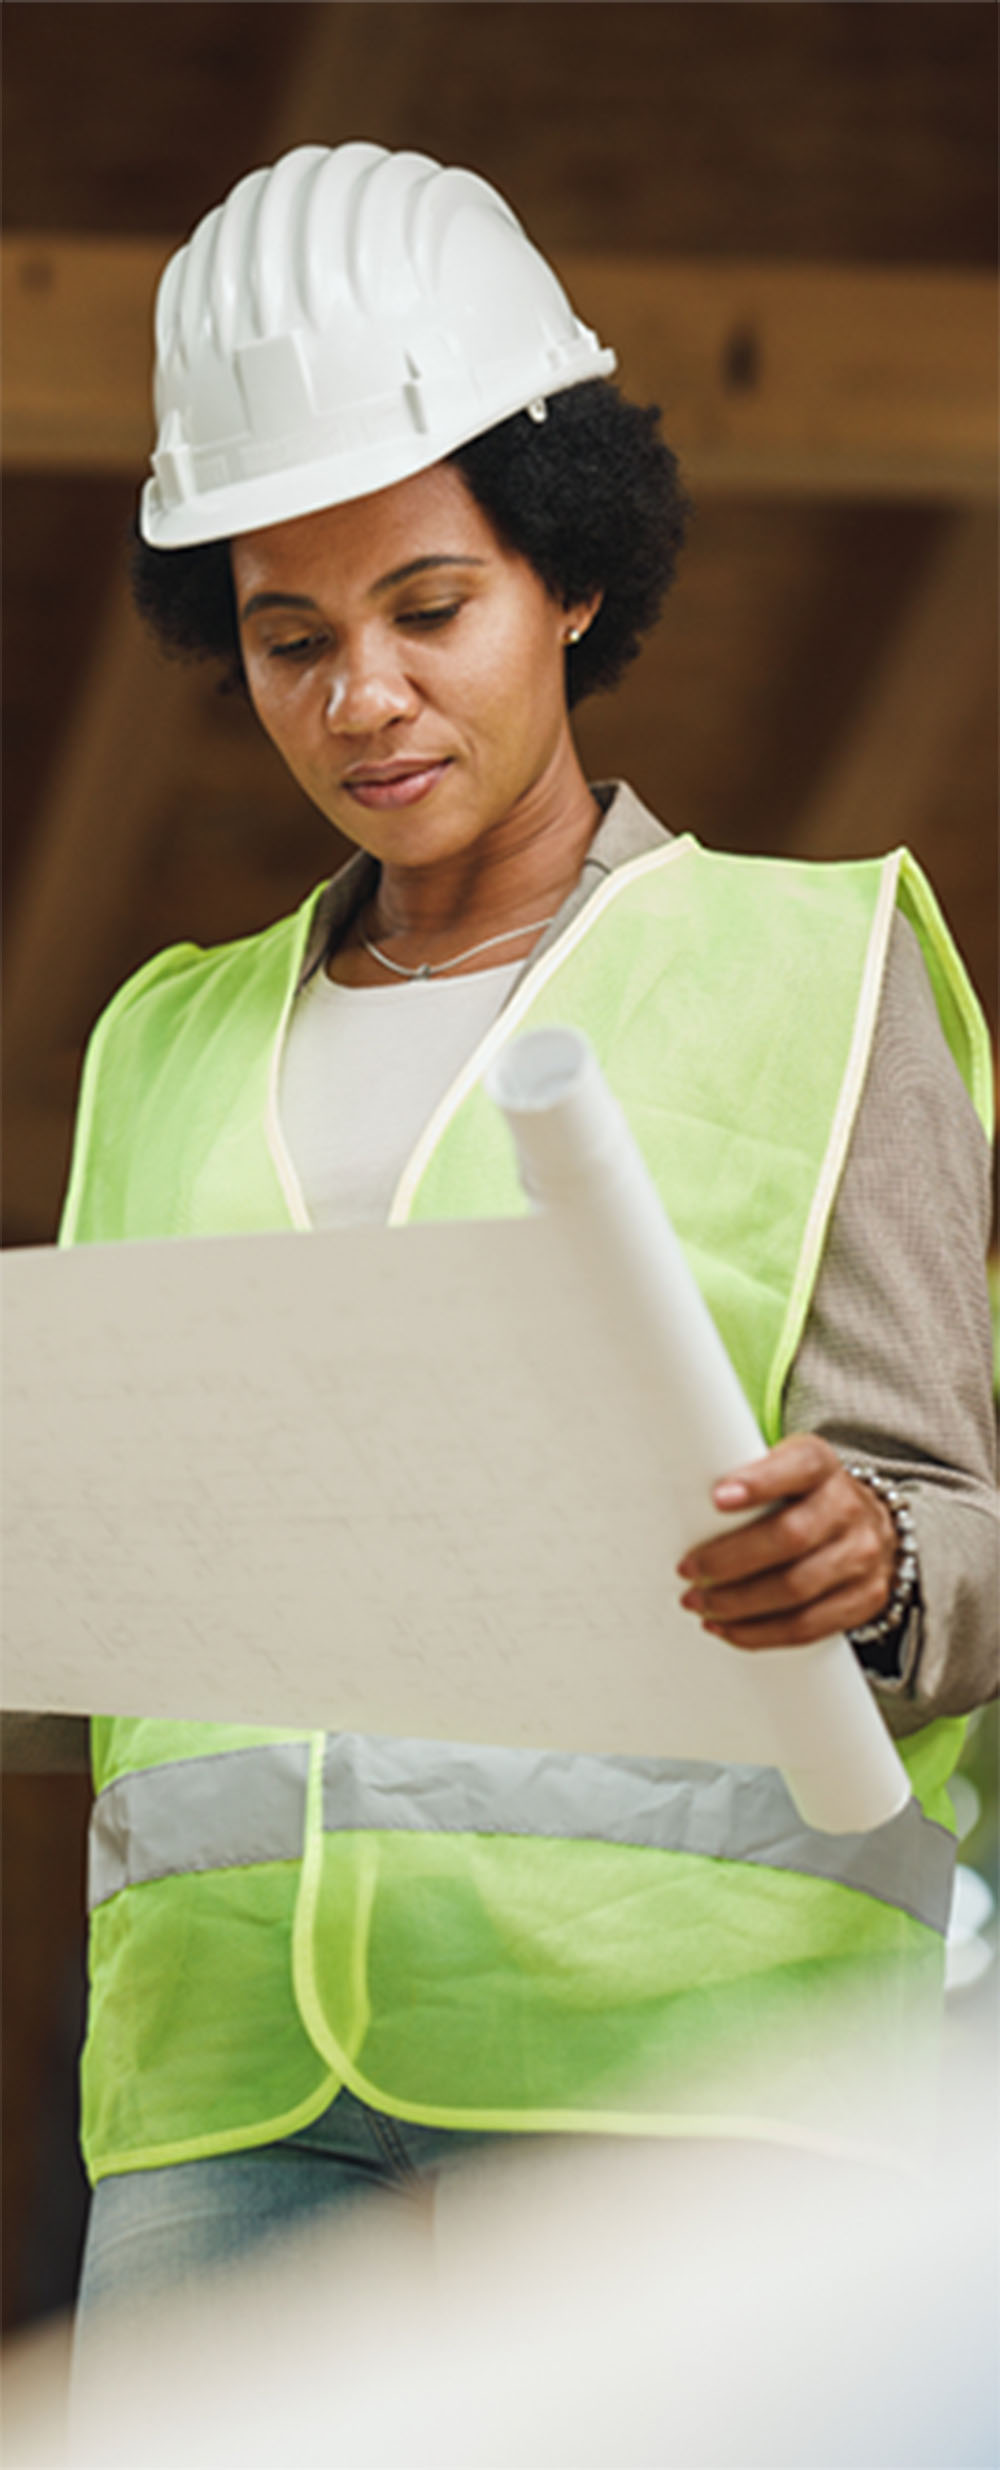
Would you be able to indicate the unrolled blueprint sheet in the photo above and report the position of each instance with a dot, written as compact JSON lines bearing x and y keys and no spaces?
{"x":390,"y":1480}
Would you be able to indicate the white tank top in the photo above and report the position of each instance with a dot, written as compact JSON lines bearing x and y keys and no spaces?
{"x":363,"y":1068}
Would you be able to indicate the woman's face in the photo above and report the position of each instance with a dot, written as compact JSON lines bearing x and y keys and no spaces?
{"x":407,"y":666}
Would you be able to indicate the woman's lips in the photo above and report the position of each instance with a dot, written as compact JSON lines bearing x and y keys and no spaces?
{"x":402,"y":788}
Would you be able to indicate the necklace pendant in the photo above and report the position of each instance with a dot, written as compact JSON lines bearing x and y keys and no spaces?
{"x":424,"y":970}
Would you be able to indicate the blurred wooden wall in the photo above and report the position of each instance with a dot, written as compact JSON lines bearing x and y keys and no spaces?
{"x":783,"y":217}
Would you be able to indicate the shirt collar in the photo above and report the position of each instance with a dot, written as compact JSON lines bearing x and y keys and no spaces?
{"x":626,"y":830}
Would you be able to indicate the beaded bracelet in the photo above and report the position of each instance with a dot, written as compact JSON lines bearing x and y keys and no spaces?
{"x":906,"y":1574}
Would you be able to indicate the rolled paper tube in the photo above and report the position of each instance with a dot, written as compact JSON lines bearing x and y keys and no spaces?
{"x":580,"y":1163}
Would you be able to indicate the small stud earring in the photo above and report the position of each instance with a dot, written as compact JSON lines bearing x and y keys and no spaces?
{"x":574,"y":634}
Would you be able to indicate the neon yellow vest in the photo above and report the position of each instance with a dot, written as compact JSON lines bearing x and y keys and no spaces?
{"x":531,"y":1943}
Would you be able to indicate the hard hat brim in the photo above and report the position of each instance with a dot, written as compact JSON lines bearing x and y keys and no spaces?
{"x":171,"y":519}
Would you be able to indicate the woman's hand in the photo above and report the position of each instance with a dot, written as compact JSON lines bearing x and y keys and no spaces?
{"x":822,"y":1561}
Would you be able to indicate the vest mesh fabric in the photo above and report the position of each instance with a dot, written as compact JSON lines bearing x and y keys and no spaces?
{"x":515,"y":1981}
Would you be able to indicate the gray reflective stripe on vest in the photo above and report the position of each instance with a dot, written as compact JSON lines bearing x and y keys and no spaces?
{"x":215,"y":1813}
{"x":245,"y":1806}
{"x":669,"y":1805}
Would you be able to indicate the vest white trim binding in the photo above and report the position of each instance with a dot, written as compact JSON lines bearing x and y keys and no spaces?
{"x":536,"y":977}
{"x":841,"y":1127}
{"x":281,"y":1157}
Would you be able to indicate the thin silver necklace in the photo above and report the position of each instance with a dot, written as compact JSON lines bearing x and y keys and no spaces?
{"x":436,"y":969}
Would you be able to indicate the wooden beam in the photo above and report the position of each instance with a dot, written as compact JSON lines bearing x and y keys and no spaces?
{"x":887,"y":778}
{"x":811,"y":380}
{"x":774,"y":379}
{"x":85,"y":874}
{"x":78,"y":350}
{"x":91,"y":839}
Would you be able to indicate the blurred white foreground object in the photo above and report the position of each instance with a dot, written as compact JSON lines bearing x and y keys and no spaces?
{"x":680,"y":2307}
{"x":969,"y":1946}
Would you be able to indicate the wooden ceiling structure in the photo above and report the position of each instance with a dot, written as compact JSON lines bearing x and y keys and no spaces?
{"x":783,"y":215}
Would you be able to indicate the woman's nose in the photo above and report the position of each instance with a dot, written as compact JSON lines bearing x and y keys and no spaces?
{"x":367,"y":690}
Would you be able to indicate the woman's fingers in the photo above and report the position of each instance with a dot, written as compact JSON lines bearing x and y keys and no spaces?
{"x":808,"y":1496}
{"x":847,"y":1609}
{"x":795,"y":1465}
{"x":811,"y":1599}
{"x":822,"y":1559}
{"x":798,"y":1583}
{"x":787,"y":1534}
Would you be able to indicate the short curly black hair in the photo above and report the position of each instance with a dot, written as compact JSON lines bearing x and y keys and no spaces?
{"x":591,"y":496}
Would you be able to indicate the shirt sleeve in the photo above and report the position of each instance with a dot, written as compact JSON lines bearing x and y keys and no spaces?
{"x":895,"y":1361}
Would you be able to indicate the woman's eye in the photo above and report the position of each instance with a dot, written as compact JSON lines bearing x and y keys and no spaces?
{"x":302,"y":647}
{"x":427,"y":618}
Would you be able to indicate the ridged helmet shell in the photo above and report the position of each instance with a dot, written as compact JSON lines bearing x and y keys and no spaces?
{"x":345,"y":318}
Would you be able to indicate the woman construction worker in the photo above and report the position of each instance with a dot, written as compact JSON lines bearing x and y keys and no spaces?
{"x":396,"y":495}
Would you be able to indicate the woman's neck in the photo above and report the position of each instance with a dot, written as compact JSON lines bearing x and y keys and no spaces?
{"x":510,"y":882}
{"x":523,"y":868}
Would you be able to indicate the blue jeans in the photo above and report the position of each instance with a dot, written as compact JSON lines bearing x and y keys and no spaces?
{"x":154,"y":2231}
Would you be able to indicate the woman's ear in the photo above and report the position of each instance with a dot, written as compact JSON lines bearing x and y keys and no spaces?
{"x":580,"y":617}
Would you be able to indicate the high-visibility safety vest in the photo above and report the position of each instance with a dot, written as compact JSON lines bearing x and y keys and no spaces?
{"x":482,"y":1937}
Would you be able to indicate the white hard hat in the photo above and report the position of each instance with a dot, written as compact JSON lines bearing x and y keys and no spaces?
{"x":346,"y":318}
